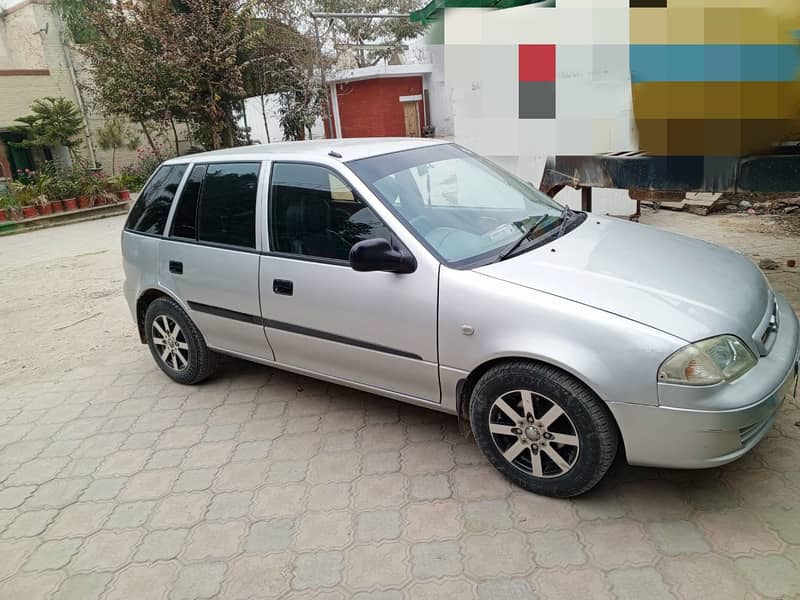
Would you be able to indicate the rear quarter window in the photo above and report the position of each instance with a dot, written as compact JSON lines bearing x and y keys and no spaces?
{"x":149,"y":214}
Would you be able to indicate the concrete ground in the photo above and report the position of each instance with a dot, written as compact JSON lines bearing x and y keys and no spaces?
{"x":116,"y":483}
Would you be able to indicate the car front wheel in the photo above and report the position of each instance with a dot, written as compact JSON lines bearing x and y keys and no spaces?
{"x":176,"y":343}
{"x":542,"y":428}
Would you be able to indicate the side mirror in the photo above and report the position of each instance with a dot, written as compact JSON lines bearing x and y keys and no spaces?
{"x":379,"y":255}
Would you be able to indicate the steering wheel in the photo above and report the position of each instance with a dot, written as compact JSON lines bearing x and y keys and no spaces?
{"x":422,"y":224}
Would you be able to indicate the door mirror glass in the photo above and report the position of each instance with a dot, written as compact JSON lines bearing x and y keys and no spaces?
{"x":378,"y":255}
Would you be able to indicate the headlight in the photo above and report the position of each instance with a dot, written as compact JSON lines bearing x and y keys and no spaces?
{"x":711,"y":361}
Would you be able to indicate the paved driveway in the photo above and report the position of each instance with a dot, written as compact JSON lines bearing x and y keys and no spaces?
{"x":116,"y":483}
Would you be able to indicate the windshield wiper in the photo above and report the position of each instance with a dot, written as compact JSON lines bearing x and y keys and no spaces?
{"x":526,"y":236}
{"x":566,"y":216}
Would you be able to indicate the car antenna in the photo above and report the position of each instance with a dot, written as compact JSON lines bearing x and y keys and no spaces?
{"x":334,"y":154}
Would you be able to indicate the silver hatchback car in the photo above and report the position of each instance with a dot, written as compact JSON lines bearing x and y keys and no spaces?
{"x":417,"y":270}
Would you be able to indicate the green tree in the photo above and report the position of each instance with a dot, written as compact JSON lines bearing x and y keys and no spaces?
{"x":76,"y":15}
{"x":115,"y":135}
{"x":162,"y":61}
{"x":52,"y":122}
{"x":210,"y":44}
{"x":131,"y":74}
{"x":285,"y":62}
{"x":357,"y":34}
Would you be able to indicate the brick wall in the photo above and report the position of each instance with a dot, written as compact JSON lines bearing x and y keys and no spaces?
{"x":371,"y":108}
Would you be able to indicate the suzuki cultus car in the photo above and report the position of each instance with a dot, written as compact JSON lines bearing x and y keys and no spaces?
{"x":417,"y":270}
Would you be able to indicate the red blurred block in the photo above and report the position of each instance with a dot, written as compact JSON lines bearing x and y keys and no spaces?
{"x":537,"y":62}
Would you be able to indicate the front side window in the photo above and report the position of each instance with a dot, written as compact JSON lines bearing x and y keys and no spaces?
{"x":149,"y":214}
{"x":460,"y":205}
{"x":227,"y":211}
{"x":314,"y":213}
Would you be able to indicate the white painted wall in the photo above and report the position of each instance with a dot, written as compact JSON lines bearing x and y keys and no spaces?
{"x":594,"y":106}
{"x":255,"y":121}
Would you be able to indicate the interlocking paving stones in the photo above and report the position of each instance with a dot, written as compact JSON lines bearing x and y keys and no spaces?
{"x":116,"y":483}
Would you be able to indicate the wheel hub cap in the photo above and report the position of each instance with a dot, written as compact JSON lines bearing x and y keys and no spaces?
{"x":170,"y":343}
{"x":532,"y":434}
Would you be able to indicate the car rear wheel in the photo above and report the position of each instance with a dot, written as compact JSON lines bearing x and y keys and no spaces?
{"x":176,"y":343}
{"x":543,"y":429}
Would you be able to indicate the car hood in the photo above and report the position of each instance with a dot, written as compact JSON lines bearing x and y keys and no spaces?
{"x":683,"y":286}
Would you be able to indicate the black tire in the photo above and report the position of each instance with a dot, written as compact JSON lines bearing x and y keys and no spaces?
{"x":200,"y":362}
{"x":588,"y":452}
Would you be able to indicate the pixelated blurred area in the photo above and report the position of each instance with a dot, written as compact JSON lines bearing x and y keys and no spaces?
{"x":537,"y":81}
{"x":714,"y":77}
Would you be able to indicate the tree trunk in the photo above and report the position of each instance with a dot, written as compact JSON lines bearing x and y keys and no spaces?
{"x":175,"y":135}
{"x":229,"y":128}
{"x":150,"y":139}
{"x":264,"y":115}
{"x":215,"y":123}
{"x":113,"y":160}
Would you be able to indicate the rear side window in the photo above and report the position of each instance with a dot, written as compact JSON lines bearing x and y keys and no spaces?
{"x":184,"y":222}
{"x":227,"y":213}
{"x":149,"y":214}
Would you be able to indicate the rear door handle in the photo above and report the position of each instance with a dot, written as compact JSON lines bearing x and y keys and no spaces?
{"x":283,"y":287}
{"x":176,"y":267}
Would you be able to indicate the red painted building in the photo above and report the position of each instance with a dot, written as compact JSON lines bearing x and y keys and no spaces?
{"x":379,"y":101}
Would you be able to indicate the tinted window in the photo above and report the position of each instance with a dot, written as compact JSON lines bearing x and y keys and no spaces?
{"x":149,"y":214}
{"x":314,"y":213}
{"x":184,"y":222}
{"x":228,"y":204}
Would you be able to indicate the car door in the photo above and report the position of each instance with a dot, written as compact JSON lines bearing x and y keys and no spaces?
{"x":210,"y":257}
{"x":373,"y":328}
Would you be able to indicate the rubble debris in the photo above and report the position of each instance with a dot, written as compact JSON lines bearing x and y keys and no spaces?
{"x":704,"y":203}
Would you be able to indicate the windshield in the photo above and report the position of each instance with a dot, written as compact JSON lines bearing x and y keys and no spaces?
{"x":461,"y":206}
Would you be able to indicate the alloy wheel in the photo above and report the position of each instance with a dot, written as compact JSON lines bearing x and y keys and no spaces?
{"x":170,"y":343}
{"x":534,"y":433}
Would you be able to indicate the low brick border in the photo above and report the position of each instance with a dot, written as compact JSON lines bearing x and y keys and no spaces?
{"x":64,"y":218}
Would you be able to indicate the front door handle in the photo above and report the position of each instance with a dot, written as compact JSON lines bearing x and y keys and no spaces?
{"x":283,"y":287}
{"x":176,"y":267}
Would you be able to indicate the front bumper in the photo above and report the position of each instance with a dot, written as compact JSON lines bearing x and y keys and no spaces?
{"x":726,"y":423}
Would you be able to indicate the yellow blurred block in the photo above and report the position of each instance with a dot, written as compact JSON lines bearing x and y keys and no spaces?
{"x":649,"y":26}
{"x":685,"y":25}
{"x":717,"y":100}
{"x":716,"y":22}
{"x":742,"y":26}
{"x":711,"y":137}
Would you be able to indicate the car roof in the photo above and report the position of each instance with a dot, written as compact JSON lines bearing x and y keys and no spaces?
{"x":349,"y":149}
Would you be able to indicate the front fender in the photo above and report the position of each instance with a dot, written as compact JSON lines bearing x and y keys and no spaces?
{"x":615,"y":357}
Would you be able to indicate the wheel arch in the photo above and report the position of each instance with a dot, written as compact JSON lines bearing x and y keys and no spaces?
{"x":466,"y":385}
{"x":144,"y":300}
